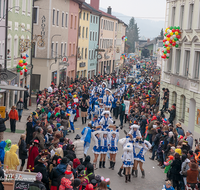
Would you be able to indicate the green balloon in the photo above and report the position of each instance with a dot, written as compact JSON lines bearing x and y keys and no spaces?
{"x":178,"y":27}
{"x":175,"y":27}
{"x":167,"y":57}
{"x":17,"y":66}
{"x":21,"y":68}
{"x":171,"y":27}
{"x":165,"y":34}
{"x":24,"y":61}
{"x":176,"y":45}
{"x":165,"y":47}
{"x":175,"y":39}
{"x":165,"y":52}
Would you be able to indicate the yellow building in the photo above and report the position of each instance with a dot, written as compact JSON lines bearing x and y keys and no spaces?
{"x":83,"y":41}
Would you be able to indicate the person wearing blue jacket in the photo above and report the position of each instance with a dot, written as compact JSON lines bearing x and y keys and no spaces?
{"x":86,"y":132}
{"x":61,"y":168}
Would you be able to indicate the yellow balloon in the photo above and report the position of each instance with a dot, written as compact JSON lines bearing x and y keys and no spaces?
{"x":20,"y":61}
{"x":168,"y":39}
{"x":171,"y":33}
{"x":173,"y":41}
{"x":24,"y":67}
{"x":176,"y":33}
{"x":168,"y":48}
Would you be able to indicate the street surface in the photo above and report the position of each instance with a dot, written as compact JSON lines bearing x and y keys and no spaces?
{"x":154,"y":175}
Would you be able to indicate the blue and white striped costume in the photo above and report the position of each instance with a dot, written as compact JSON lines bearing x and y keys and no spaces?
{"x":107,"y":100}
{"x":104,"y":142}
{"x":113,"y":149}
{"x":105,"y":122}
{"x":97,"y":142}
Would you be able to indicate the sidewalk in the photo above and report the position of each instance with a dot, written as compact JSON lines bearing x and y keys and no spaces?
{"x":20,"y":126}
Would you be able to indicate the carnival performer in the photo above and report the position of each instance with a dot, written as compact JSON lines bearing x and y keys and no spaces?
{"x":135,"y":131}
{"x":96,"y":136}
{"x":101,"y":110}
{"x":86,"y":137}
{"x":128,"y":160}
{"x":102,"y":90}
{"x":113,"y":146}
{"x":107,"y":98}
{"x":95,"y":121}
{"x":105,"y":120}
{"x":72,"y":112}
{"x":140,"y":157}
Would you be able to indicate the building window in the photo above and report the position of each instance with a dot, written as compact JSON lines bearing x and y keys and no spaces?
{"x":93,"y":36}
{"x":63,"y":19}
{"x":71,"y":21}
{"x":91,"y":19}
{"x":85,"y":53}
{"x":33,"y":49}
{"x":90,"y":36}
{"x":75,"y":22}
{"x":29,"y":6}
{"x":61,"y":49}
{"x":96,"y":36}
{"x":23,"y":5}
{"x":169,"y":62}
{"x":83,"y":32}
{"x":87,"y":16}
{"x":116,"y":27}
{"x":66,"y":20}
{"x":91,"y":54}
{"x":17,"y":4}
{"x":182,"y":107}
{"x":65,"y":49}
{"x":104,"y":25}
{"x":96,"y":20}
{"x":10,"y":4}
{"x":80,"y":15}
{"x":70,"y":49}
{"x":57,"y":21}
{"x":53,"y":17}
{"x":181,"y":16}
{"x":186,"y":64}
{"x":83,"y":15}
{"x":74,"y":49}
{"x":82,"y":51}
{"x":16,"y":48}
{"x":101,"y":23}
{"x":52,"y":49}
{"x":56,"y":49}
{"x":86,"y":33}
{"x":178,"y":60}
{"x":190,"y":16}
{"x":35,"y":12}
{"x":79,"y":52}
{"x":79,"y":32}
{"x":196,"y":65}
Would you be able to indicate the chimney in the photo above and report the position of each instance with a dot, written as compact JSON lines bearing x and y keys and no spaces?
{"x":95,"y":4}
{"x":109,"y":10}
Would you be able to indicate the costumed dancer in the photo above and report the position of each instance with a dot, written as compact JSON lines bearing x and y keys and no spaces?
{"x":86,"y":137}
{"x":113,"y":146}
{"x":128,"y":160}
{"x":103,"y":89}
{"x":107,"y":98}
{"x":106,"y":120}
{"x":90,"y":109}
{"x":95,"y":121}
{"x":104,"y":148}
{"x":96,"y":136}
{"x":72,"y":112}
{"x":96,"y":109}
{"x":101,"y":110}
{"x":140,"y":156}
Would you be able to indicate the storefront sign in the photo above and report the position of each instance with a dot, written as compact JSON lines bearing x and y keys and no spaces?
{"x":82,"y":64}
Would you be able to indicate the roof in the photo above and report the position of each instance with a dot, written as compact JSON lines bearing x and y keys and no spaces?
{"x":7,"y":75}
{"x":89,"y":7}
{"x":108,"y":15}
{"x":10,"y":87}
{"x":148,"y":43}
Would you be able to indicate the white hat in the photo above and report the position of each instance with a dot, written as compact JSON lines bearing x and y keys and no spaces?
{"x":128,"y":147}
{"x":122,"y":141}
{"x":105,"y":112}
{"x":104,"y":84}
{"x":134,"y":126}
{"x":147,"y":143}
{"x":108,"y":90}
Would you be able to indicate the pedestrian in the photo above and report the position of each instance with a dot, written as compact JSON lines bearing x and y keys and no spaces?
{"x":37,"y":185}
{"x":66,"y":124}
{"x":79,"y":148}
{"x":26,"y":95}
{"x":122,"y":110}
{"x":20,"y":106}
{"x":189,"y":138}
{"x":29,"y":131}
{"x":22,"y":151}
{"x":2,"y":125}
{"x":13,"y":115}
{"x":39,"y":135}
{"x":33,"y":152}
{"x":84,"y":107}
{"x":172,"y":113}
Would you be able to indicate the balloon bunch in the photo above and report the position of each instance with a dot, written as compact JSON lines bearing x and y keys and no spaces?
{"x":124,"y":38}
{"x":22,"y":65}
{"x":171,"y":39}
{"x":124,"y":55}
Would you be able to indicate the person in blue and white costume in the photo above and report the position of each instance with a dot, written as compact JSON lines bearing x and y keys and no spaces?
{"x":90,"y":109}
{"x":96,"y":137}
{"x":113,"y":136}
{"x":72,"y":112}
{"x":107,"y":98}
{"x":106,"y":121}
{"x":104,"y":148}
{"x":95,"y":122}
{"x":86,"y":137}
{"x":101,"y":110}
{"x":95,"y":90}
{"x":135,"y":131}
{"x":102,"y":90}
{"x":128,"y":160}
{"x":145,"y":146}
{"x":96,"y":109}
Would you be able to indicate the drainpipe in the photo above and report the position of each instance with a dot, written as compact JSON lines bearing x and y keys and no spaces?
{"x":6,"y":37}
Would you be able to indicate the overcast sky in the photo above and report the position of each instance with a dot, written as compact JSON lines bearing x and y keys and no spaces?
{"x":137,"y":8}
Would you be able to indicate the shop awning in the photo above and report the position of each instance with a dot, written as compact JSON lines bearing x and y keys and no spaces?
{"x":10,"y":87}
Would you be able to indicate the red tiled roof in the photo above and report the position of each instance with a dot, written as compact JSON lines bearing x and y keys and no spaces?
{"x":108,"y":15}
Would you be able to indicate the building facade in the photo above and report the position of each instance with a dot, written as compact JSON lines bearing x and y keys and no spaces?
{"x":18,"y":33}
{"x":53,"y":26}
{"x":83,"y":41}
{"x":180,"y":73}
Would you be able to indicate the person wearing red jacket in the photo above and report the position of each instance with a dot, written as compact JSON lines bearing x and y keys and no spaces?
{"x":13,"y":115}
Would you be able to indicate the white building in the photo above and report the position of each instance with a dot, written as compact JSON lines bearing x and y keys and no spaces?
{"x":180,"y":73}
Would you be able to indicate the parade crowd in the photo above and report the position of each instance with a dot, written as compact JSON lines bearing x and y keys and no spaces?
{"x":62,"y":163}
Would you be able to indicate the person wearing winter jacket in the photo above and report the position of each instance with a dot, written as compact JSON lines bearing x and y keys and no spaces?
{"x":79,"y":147}
{"x":20,"y":106}
{"x":22,"y":151}
{"x":2,"y":125}
{"x":61,"y":168}
{"x":13,"y":115}
{"x":172,"y":113}
{"x":37,"y":185}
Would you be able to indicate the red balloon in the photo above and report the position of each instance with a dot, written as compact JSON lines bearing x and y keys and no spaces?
{"x":21,"y":73}
{"x":162,"y":50}
{"x":166,"y":45}
{"x":178,"y":36}
{"x":168,"y":35}
{"x":164,"y":41}
{"x":177,"y":30}
{"x":173,"y":30}
{"x":24,"y":57}
{"x":20,"y":64}
{"x":174,"y":43}
{"x":25,"y":63}
{"x":25,"y":70}
{"x":168,"y":51}
{"x":164,"y":56}
{"x":170,"y":41}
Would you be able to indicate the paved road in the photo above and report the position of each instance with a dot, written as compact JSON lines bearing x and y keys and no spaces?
{"x":154,"y":178}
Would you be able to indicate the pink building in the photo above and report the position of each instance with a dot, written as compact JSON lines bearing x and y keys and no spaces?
{"x":73,"y":37}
